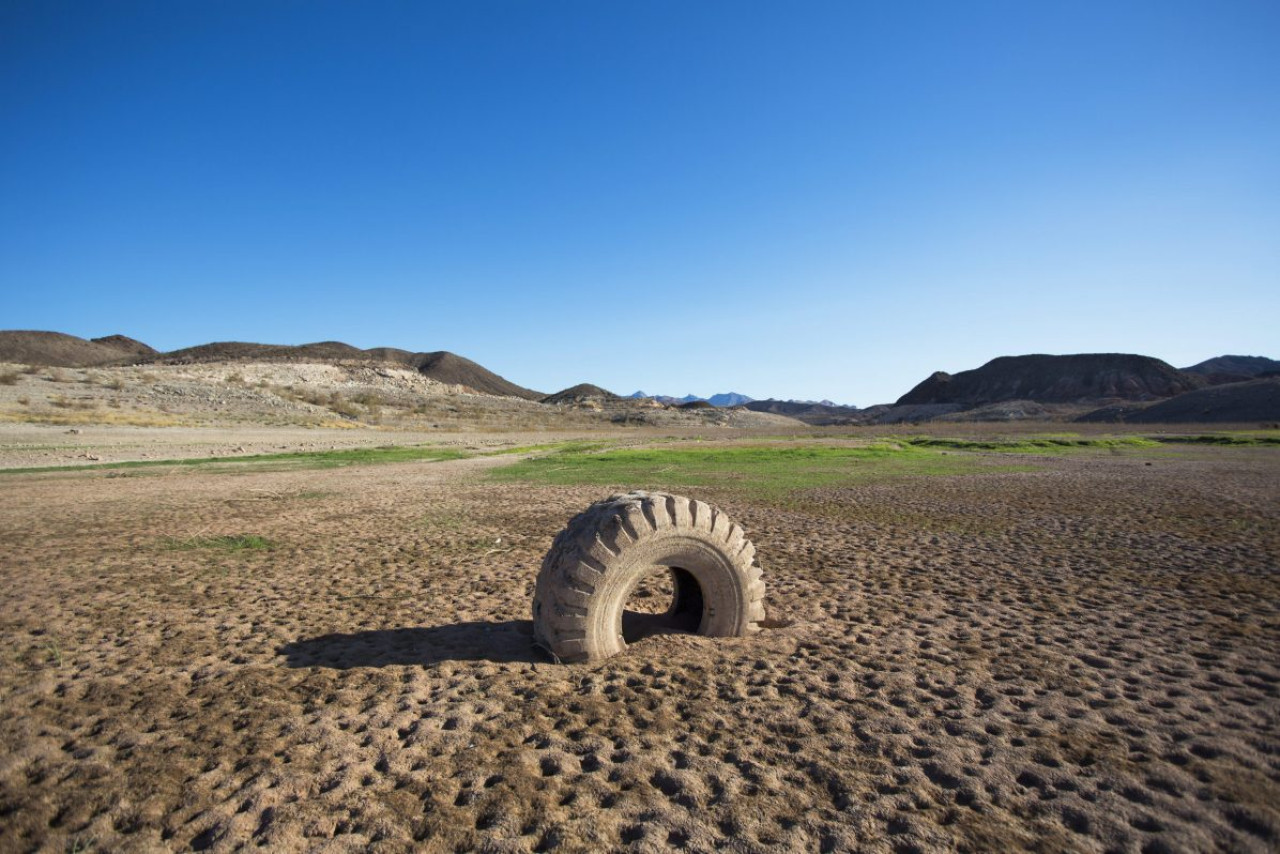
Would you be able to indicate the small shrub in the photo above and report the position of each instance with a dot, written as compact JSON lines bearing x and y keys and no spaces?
{"x":64,"y":402}
{"x":24,"y":401}
{"x":235,"y":379}
{"x":340,"y":406}
{"x":57,"y":375}
{"x":9,"y":378}
{"x":115,"y":384}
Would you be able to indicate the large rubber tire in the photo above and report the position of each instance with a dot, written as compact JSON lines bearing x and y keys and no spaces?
{"x":599,"y":558}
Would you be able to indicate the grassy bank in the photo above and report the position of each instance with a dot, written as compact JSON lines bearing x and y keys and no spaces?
{"x":762,"y":471}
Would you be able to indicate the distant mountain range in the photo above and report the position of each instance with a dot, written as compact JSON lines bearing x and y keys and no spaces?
{"x":1102,"y":386}
{"x":733,"y":398}
{"x":729,"y":398}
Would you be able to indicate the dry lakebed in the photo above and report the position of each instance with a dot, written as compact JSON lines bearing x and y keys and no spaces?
{"x":968,"y":647}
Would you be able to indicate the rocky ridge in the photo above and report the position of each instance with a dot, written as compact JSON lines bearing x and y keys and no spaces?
{"x":1055,"y":379}
{"x":1234,"y":369}
{"x":1229,"y":403}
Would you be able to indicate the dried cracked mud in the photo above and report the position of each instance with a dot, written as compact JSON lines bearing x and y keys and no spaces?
{"x":1082,"y":657}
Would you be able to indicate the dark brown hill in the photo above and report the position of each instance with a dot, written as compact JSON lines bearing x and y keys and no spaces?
{"x":222,"y":351}
{"x":56,"y":349}
{"x":1233,"y":369}
{"x":441,"y":365}
{"x":241,"y":351}
{"x":128,"y":346}
{"x":451,"y":368}
{"x":1056,"y":379}
{"x":390,"y":354}
{"x":1252,"y":401}
{"x":579,"y":393}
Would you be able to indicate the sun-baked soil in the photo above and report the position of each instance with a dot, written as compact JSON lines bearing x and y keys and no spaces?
{"x":1083,"y":657}
{"x":47,"y":445}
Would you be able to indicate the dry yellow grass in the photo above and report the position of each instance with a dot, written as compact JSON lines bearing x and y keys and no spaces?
{"x":86,"y":417}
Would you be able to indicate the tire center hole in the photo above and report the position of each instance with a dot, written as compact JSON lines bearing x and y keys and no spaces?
{"x":668,"y":600}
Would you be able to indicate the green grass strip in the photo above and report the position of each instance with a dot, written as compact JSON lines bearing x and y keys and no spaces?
{"x":551,"y":447}
{"x":298,"y":459}
{"x":1034,"y":445}
{"x":225,"y":543}
{"x":760,"y":471}
{"x":1228,"y":439}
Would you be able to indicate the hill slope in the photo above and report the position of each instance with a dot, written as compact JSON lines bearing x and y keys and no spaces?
{"x":240,"y":351}
{"x":57,"y":349}
{"x":810,"y":413}
{"x":1055,"y":379}
{"x":579,"y":393}
{"x":1235,"y":403}
{"x":1231,"y":369}
{"x":440,"y":365}
{"x":128,"y":346}
{"x":449,"y":367}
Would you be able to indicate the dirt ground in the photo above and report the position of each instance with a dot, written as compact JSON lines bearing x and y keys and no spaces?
{"x":50,"y":445}
{"x":1082,"y":657}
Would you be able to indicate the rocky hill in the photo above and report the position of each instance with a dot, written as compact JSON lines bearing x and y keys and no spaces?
{"x":580,"y":393}
{"x":811,"y":413}
{"x":1249,"y":402}
{"x":1055,"y":379}
{"x":1234,"y":369}
{"x":56,"y":349}
{"x":446,"y":367}
{"x":441,"y":366}
{"x":241,"y":351}
{"x":125,"y":344}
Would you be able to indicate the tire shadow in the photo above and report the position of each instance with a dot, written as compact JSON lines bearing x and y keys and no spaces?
{"x":500,"y":642}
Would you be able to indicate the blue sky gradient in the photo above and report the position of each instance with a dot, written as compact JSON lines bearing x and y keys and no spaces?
{"x":783,"y":199}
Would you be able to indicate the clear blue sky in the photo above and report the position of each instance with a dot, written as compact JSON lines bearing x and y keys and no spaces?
{"x":781,"y":199}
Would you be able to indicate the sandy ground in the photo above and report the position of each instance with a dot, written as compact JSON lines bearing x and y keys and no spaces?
{"x":1084,"y":657}
{"x":41,"y":445}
